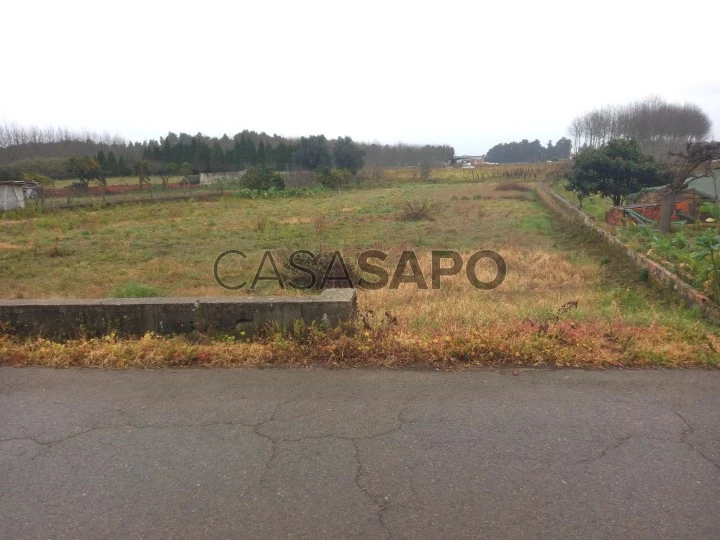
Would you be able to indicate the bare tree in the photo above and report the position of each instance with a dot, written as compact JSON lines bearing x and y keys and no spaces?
{"x":659,"y":127}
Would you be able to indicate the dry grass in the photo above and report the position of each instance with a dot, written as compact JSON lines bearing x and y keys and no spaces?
{"x":613,"y":319}
{"x":518,"y":343}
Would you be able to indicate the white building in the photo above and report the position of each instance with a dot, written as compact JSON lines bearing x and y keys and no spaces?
{"x":11,"y":195}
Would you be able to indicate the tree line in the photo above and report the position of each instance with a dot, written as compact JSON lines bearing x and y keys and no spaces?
{"x":244,"y":151}
{"x":47,"y":151}
{"x":529,"y":152}
{"x":401,"y":155}
{"x":657,"y":126}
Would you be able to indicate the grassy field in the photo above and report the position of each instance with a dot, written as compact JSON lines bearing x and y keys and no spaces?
{"x":564,"y":301}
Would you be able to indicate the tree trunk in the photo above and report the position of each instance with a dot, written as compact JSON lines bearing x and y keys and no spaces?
{"x":667,"y":205}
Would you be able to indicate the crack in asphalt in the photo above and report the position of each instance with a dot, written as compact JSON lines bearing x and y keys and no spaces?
{"x":688,"y":430}
{"x":381,"y":503}
{"x":605,"y":451}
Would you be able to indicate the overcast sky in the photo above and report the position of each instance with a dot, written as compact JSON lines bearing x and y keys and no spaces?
{"x":468,"y":74}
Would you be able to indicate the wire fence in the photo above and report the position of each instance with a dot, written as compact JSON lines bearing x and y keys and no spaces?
{"x":75,"y":196}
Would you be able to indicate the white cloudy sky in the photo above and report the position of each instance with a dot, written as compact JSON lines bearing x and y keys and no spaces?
{"x":469,"y":74}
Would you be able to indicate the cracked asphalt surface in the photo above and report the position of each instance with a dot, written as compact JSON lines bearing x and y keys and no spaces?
{"x":271,"y":453}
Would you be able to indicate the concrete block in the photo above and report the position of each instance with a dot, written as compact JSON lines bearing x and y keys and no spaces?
{"x":65,"y":318}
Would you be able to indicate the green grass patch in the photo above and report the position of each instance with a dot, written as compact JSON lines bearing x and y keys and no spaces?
{"x":133,"y":289}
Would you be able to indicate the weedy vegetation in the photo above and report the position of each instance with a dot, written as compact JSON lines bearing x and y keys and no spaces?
{"x":564,"y":302}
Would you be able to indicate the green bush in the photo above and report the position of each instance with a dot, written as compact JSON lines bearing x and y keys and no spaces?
{"x":332,"y":178}
{"x":262,"y":179}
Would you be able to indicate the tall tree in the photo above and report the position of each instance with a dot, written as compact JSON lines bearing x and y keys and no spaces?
{"x":313,"y":152}
{"x":217,"y":158}
{"x":348,"y":155}
{"x":112,"y":164}
{"x":282,"y":156}
{"x":658,"y":127}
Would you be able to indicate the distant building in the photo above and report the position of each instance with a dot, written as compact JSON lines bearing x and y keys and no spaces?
{"x":467,"y":162}
{"x":12,"y":195}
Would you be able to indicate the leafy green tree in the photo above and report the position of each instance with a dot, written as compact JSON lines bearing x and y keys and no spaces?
{"x":112,"y":164}
{"x":122,"y":168}
{"x":313,"y":152}
{"x":615,"y":170}
{"x":202,"y":155}
{"x":348,"y":155}
{"x":41,"y":179}
{"x":102,"y":160}
{"x":217,"y":158}
{"x":282,"y":156}
{"x":84,"y":168}
{"x":237,"y":160}
{"x":261,"y":153}
{"x":245,"y":152}
{"x":529,"y":152}
{"x":185,"y":168}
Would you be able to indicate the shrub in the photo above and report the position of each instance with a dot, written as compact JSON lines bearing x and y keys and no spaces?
{"x":332,"y":178}
{"x":512,"y":186}
{"x":417,"y":211}
{"x":262,"y":178}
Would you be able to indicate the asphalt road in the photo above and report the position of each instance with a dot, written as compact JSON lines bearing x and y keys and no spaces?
{"x":358,"y":453}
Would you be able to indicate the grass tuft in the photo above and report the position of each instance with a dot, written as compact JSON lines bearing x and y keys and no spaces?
{"x":133,"y":289}
{"x":418,"y":211}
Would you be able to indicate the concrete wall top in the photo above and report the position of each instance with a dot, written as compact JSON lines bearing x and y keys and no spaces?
{"x":248,"y":315}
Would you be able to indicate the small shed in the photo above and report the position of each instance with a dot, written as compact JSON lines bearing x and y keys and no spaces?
{"x":12,"y":195}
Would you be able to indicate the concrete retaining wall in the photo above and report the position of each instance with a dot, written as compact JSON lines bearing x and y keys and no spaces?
{"x":67,"y":318}
{"x":657,"y":274}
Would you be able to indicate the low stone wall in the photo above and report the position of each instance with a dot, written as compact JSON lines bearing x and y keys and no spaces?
{"x":657,"y":274}
{"x":67,"y":318}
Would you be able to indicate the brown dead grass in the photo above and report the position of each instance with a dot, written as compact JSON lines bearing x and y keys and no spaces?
{"x":295,"y":220}
{"x":536,"y":280}
{"x":519,"y":323}
{"x":521,"y":343}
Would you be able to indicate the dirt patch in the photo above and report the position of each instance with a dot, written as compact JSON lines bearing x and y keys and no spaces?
{"x":5,"y":245}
